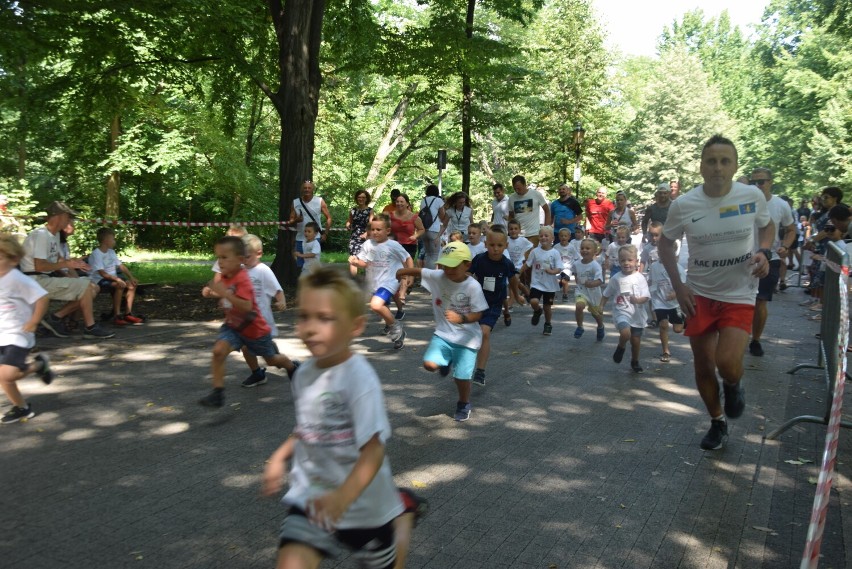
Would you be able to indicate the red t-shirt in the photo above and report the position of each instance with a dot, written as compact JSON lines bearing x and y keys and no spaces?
{"x":597,"y":214}
{"x":240,"y":285}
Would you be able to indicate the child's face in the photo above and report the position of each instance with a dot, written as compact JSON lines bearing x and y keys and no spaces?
{"x":253,"y":257}
{"x":458,"y":273}
{"x":514,"y":230}
{"x":545,"y":239}
{"x":564,"y":237}
{"x":455,"y":237}
{"x":621,"y":238}
{"x":654,"y":235}
{"x":474,"y":235}
{"x":108,"y":241}
{"x":378,"y":231}
{"x":229,"y":261}
{"x":587,"y":250}
{"x":310,"y":234}
{"x":495,"y":243}
{"x":628,"y":262}
{"x":325,"y":326}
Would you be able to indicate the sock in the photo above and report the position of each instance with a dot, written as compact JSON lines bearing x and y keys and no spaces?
{"x":719,"y":418}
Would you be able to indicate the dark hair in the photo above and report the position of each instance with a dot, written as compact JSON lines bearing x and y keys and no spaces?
{"x":498,"y":185}
{"x":235,"y":243}
{"x":359,"y":192}
{"x":313,"y":225}
{"x":513,"y":222}
{"x":832,"y":191}
{"x":432,"y":190}
{"x":383,"y":217}
{"x":395,"y":193}
{"x":455,"y":197}
{"x":839,"y":212}
{"x":766,"y":171}
{"x":405,"y":197}
{"x":520,"y":179}
{"x":103,"y":232}
{"x":719,"y":139}
{"x":498,"y":228}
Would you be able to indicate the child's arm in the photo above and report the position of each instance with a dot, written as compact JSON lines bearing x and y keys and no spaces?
{"x":280,"y":301}
{"x":408,"y":271}
{"x":454,"y":317}
{"x":327,"y":509}
{"x":355,"y":261}
{"x":220,"y":290}
{"x":39,"y":310}
{"x":514,"y":289}
{"x":273,"y":473}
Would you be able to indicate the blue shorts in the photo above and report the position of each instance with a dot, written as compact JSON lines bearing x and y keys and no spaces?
{"x":300,"y":262}
{"x":444,"y":353}
{"x":107,"y":285}
{"x":384,"y":294}
{"x":491,"y":316}
{"x":263,"y":346}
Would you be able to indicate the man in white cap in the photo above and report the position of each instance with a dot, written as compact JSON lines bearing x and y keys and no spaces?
{"x":43,"y":261}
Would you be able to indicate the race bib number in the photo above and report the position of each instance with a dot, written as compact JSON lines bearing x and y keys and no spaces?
{"x":489,"y":284}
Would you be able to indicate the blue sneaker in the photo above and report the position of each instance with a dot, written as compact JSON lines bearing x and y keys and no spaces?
{"x":601,"y":333}
{"x":578,"y":332}
{"x":462,"y":411}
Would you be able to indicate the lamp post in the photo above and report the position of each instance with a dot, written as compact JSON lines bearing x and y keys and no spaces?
{"x":579,"y":133}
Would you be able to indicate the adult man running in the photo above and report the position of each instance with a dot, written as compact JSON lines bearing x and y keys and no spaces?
{"x":719,"y":219}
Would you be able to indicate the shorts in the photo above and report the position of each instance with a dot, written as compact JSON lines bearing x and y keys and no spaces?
{"x":670,"y":314}
{"x":766,"y":285}
{"x":106,"y":285}
{"x":634,"y":331}
{"x":713,"y":315}
{"x":263,"y":346}
{"x":491,"y":316}
{"x":300,"y":262}
{"x":384,"y":294}
{"x":547,"y":296}
{"x":411,"y":248}
{"x":63,"y":288}
{"x":565,"y":275}
{"x":374,"y":548}
{"x":14,"y":356}
{"x":589,"y":296}
{"x":445,"y":353}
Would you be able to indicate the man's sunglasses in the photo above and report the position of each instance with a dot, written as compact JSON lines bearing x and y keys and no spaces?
{"x":759,"y":182}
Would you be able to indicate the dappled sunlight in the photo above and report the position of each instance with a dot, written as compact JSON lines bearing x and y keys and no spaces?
{"x":436,"y":473}
{"x":526,"y":426}
{"x":132,"y":480}
{"x":25,"y":442}
{"x":569,"y":409}
{"x":109,"y":418}
{"x":174,"y":428}
{"x":670,"y":406}
{"x":241,"y":481}
{"x":77,"y":434}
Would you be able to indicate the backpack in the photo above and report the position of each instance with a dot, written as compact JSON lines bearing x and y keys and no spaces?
{"x":425,"y":215}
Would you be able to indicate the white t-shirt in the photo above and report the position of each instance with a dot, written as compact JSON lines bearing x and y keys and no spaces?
{"x":500,"y":211}
{"x":465,"y":297}
{"x":383,"y":261}
{"x":476,"y":249}
{"x":782,"y":216}
{"x":338,"y":410}
{"x":574,"y":248}
{"x":649,"y":256}
{"x":18,"y":293}
{"x":661,"y":286}
{"x":40,"y":244}
{"x":315,"y":248}
{"x":612,"y":254}
{"x":516,"y":249}
{"x":458,"y":220}
{"x":620,"y":289}
{"x":106,"y":261}
{"x":526,"y":209}
{"x":265,"y":287}
{"x":434,"y":203}
{"x":315,"y":207}
{"x":588,"y":272}
{"x":720,"y":235}
{"x":567,"y":256}
{"x":539,"y":261}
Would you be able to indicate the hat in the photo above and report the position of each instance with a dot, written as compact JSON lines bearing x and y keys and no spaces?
{"x":58,"y":208}
{"x":454,"y":254}
{"x":663,"y":189}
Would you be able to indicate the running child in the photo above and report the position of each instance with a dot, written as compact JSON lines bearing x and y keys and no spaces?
{"x":630,"y":290}
{"x":23,"y":303}
{"x":589,"y":276}
{"x":383,"y":257}
{"x":622,"y":238}
{"x":518,"y":249}
{"x":565,"y":252}
{"x":649,"y":254}
{"x":476,"y":243}
{"x":244,"y":323}
{"x":458,"y":304}
{"x":455,"y":236}
{"x":665,"y":305}
{"x":105,"y":266}
{"x":545,"y":264}
{"x":498,"y":278}
{"x":341,"y":495}
{"x":311,"y":248}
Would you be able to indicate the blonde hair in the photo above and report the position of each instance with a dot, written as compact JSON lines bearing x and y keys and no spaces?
{"x":11,"y":247}
{"x":630,"y":250}
{"x":236,"y":230}
{"x":545,"y":229}
{"x":565,"y":230}
{"x":595,"y":244}
{"x":253,"y":243}
{"x":340,"y":283}
{"x":456,"y":236}
{"x":622,"y":230}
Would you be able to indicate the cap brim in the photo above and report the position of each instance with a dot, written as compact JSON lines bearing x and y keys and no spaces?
{"x":449,"y":262}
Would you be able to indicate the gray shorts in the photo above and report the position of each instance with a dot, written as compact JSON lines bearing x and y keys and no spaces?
{"x":374,"y":548}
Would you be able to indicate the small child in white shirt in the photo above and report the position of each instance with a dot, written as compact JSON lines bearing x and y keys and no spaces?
{"x":105,"y":266}
{"x":475,"y":244}
{"x":622,"y":237}
{"x":518,"y":249}
{"x":665,"y":305}
{"x":545,"y":264}
{"x":311,"y":248}
{"x":589,"y":277}
{"x":567,"y":254}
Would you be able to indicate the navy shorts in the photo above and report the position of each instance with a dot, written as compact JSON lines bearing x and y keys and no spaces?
{"x":766,"y":285}
{"x":14,"y":356}
{"x":546,"y":296}
{"x":491,"y":316}
{"x":670,"y":314}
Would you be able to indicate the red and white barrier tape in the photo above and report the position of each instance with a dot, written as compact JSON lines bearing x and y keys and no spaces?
{"x":104,"y":221}
{"x":810,"y":557}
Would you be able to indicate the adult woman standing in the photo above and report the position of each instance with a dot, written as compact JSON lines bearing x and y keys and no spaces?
{"x":406,"y":228}
{"x":622,"y":215}
{"x":432,"y":237}
{"x":459,"y":214}
{"x":359,"y":220}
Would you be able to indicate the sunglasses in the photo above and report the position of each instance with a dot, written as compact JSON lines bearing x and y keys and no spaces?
{"x":759,"y":182}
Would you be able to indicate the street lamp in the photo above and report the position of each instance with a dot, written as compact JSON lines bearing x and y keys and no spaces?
{"x":579,"y":134}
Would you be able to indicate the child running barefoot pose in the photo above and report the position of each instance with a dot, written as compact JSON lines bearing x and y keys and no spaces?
{"x":383,"y":258}
{"x":23,"y":303}
{"x":497,"y":276}
{"x":567,"y":255}
{"x":589,"y":277}
{"x":630,"y":290}
{"x":545,"y":264}
{"x":244,"y":323}
{"x":342,"y":497}
{"x":458,"y":304}
{"x":665,"y":305}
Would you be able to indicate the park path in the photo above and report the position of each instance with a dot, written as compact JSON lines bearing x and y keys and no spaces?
{"x":568,"y":460}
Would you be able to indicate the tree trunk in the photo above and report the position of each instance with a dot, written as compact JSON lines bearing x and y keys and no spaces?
{"x":113,"y":186}
{"x":298,"y":28}
{"x":467,"y":95}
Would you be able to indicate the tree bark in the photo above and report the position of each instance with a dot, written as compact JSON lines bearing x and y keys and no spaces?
{"x":113,"y":185}
{"x":298,"y":29}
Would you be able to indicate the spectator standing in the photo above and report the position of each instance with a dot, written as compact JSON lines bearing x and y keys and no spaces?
{"x":719,"y":219}
{"x":500,"y":205}
{"x":459,"y":214}
{"x":597,"y":214}
{"x":358,"y":223}
{"x":622,"y":216}
{"x":308,"y":207}
{"x":659,"y":210}
{"x":566,"y":210}
{"x":524,"y":206}
{"x":432,"y":238}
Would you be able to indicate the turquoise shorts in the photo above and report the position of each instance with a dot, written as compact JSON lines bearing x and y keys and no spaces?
{"x":444,"y":353}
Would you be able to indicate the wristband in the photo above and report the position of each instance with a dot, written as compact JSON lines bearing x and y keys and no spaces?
{"x":766,"y":253}
{"x":464,"y":318}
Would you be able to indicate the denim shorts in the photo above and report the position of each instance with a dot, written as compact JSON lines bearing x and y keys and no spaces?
{"x":263,"y":346}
